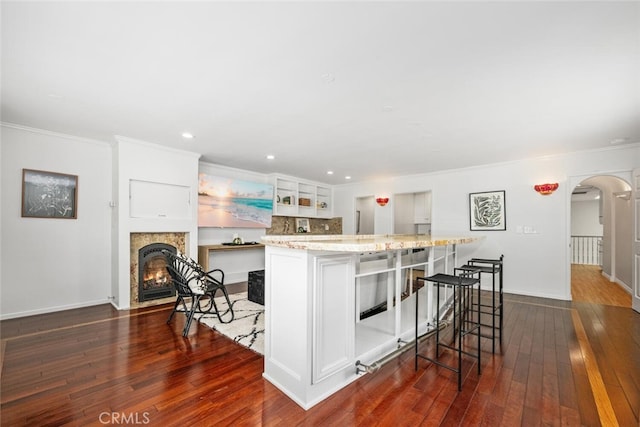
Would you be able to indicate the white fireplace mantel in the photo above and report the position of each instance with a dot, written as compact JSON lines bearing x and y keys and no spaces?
{"x":158,"y":178}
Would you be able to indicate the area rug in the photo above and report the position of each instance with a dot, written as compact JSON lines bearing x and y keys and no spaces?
{"x":247,"y":327}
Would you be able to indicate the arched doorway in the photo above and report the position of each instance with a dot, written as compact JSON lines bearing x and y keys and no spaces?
{"x":600,"y":206}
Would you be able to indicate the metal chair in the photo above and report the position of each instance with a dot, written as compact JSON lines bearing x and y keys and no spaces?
{"x":196,"y":289}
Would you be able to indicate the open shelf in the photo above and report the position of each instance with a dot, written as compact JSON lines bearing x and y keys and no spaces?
{"x":294,"y":197}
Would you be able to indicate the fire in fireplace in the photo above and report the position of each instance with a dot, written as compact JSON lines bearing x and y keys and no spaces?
{"x":154,"y":281}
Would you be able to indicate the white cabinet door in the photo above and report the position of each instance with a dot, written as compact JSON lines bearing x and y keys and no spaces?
{"x":159,"y":200}
{"x":635,"y":274}
{"x":333,"y":345}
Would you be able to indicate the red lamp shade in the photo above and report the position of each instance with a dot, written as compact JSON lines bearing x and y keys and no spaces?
{"x":382,"y":201}
{"x":546,"y":189}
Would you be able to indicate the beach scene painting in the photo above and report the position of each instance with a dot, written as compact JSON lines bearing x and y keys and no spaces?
{"x":227,"y":202}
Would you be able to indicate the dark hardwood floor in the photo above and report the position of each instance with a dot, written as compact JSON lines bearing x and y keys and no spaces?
{"x":561,"y":363}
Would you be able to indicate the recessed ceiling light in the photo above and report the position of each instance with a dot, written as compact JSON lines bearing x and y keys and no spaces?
{"x":187,"y":135}
{"x":329,"y":172}
{"x":270,"y":157}
{"x":618,"y":141}
{"x":347,"y":177}
{"x":328,"y":78}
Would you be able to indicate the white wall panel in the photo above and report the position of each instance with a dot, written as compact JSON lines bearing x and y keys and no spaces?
{"x":54,"y":264}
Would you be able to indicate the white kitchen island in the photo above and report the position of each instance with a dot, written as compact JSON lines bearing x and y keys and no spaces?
{"x":331,"y":301}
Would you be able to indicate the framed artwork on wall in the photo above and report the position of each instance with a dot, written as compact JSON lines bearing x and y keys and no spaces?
{"x":49,"y":194}
{"x":487,"y":211}
{"x":229,"y":202}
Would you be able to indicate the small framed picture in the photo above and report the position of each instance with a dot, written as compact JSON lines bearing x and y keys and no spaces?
{"x":302,"y":225}
{"x":487,"y":211}
{"x":49,"y":194}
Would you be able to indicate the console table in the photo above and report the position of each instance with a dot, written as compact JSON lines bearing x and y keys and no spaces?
{"x":235,"y":260}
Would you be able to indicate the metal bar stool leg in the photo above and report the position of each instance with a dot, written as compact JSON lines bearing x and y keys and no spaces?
{"x":438,"y":321}
{"x":417,"y":294}
{"x":501,"y":302}
{"x":472,"y":272}
{"x":460,"y":299}
{"x":495,"y":309}
{"x":462,"y":287}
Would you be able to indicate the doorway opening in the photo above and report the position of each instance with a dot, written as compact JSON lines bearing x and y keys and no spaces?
{"x":412,"y":213}
{"x":601,"y":234}
{"x":365,"y":215}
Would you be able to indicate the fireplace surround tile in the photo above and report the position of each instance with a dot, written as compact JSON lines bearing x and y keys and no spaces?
{"x":140,"y":240}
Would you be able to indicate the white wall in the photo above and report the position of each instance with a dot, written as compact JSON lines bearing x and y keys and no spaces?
{"x":403,"y":214}
{"x":54,"y":264}
{"x":585,"y":218}
{"x":536,"y":263}
{"x":623,"y":242}
{"x":144,"y":161}
{"x":608,"y":258}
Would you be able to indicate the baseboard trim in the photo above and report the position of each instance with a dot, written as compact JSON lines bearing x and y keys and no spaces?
{"x":619,"y":282}
{"x":47,"y":310}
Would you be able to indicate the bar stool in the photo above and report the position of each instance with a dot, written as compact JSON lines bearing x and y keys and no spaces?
{"x":493,"y":267}
{"x":462,"y":285}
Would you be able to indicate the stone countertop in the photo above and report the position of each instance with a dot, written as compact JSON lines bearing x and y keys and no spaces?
{"x":364,"y":243}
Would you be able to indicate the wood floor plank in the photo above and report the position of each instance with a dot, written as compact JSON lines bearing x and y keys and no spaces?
{"x":492,"y":416}
{"x":476,"y":409}
{"x":584,"y":395}
{"x":500,"y":393}
{"x":534,"y":388}
{"x":603,"y":403}
{"x":569,"y":416}
{"x":550,"y":400}
{"x":514,"y":407}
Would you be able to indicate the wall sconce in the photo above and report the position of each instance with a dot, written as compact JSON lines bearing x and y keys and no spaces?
{"x":546,"y":189}
{"x":382,"y":201}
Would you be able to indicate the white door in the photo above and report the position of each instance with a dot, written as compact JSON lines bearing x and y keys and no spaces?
{"x":635,"y":274}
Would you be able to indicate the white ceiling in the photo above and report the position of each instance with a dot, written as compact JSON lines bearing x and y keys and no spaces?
{"x":366,"y":89}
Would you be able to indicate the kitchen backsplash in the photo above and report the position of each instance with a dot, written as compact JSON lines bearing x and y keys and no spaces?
{"x":287,"y":225}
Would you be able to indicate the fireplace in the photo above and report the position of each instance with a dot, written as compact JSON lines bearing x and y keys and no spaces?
{"x":154,"y":281}
{"x":141,"y":246}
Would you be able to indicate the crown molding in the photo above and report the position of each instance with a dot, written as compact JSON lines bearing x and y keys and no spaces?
{"x":54,"y":134}
{"x":126,"y":140}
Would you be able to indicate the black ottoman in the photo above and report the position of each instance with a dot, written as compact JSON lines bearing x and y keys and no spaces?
{"x":256,"y":287}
